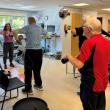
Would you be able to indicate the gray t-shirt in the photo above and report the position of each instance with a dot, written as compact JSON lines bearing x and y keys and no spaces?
{"x":33,"y":34}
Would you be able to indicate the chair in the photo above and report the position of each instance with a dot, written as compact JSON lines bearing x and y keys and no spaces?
{"x":9,"y":84}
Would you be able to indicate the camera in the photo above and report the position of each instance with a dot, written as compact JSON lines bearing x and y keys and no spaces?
{"x":63,"y":13}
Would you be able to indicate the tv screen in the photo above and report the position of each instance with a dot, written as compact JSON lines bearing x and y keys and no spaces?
{"x":51,"y":28}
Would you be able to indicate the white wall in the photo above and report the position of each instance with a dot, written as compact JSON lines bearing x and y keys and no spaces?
{"x":105,"y":18}
{"x":12,"y":12}
{"x":37,"y":14}
{"x":52,"y":19}
{"x":86,"y":13}
{"x":48,"y":17}
{"x":66,"y":39}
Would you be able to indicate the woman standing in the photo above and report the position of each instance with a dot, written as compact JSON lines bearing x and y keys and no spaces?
{"x":8,"y":45}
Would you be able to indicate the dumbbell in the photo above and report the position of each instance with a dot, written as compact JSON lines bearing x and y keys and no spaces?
{"x":64,"y":60}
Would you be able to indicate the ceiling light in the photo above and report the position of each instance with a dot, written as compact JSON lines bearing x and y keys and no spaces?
{"x":80,"y":4}
{"x":19,"y":5}
{"x":28,"y":7}
{"x":106,"y":9}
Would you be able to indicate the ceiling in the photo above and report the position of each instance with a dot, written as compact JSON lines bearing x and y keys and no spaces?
{"x":34,"y":5}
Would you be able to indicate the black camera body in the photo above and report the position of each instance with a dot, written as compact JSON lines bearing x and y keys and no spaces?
{"x":63,"y":13}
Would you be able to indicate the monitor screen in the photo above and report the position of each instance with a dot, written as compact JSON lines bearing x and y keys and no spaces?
{"x":51,"y":28}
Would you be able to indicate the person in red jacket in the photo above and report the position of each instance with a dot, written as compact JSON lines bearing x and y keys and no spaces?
{"x":79,"y":32}
{"x":92,"y":63}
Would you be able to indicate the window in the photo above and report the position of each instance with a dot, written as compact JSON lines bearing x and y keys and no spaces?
{"x":15,"y":21}
{"x":4,"y":20}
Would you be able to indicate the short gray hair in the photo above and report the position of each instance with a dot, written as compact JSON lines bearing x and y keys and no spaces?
{"x":93,"y":23}
{"x":31,"y":20}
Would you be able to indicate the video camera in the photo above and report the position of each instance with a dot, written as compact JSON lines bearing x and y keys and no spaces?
{"x":63,"y":13}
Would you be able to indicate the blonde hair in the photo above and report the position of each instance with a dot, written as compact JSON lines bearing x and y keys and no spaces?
{"x":31,"y":20}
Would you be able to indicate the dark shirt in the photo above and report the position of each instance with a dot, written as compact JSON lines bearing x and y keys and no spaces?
{"x":80,"y":33}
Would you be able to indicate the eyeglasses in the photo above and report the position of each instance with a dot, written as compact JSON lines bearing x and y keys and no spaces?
{"x":84,"y":26}
{"x":87,"y":27}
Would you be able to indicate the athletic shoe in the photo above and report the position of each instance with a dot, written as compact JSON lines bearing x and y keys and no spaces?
{"x":5,"y":66}
{"x":27,"y":91}
{"x":12,"y":65}
{"x":40,"y":88}
{"x":78,"y":93}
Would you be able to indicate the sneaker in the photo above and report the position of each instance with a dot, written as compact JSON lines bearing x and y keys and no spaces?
{"x":40,"y":88}
{"x":12,"y":65}
{"x":5,"y":66}
{"x":78,"y":93}
{"x":27,"y":91}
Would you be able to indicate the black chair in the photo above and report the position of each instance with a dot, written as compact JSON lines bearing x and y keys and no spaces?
{"x":9,"y":84}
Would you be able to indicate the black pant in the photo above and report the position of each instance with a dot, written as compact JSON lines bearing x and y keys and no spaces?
{"x":33,"y":62}
{"x":19,"y":53}
{"x":92,"y":100}
{"x":8,"y":48}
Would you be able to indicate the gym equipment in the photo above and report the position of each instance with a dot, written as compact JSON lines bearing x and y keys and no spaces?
{"x":64,"y":60}
{"x":30,"y":103}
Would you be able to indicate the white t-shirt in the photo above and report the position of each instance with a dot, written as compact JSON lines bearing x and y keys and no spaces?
{"x":22,"y":46}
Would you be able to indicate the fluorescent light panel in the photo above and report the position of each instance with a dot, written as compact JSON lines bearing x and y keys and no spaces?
{"x":80,"y":4}
{"x":106,"y":9}
{"x":28,"y":7}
